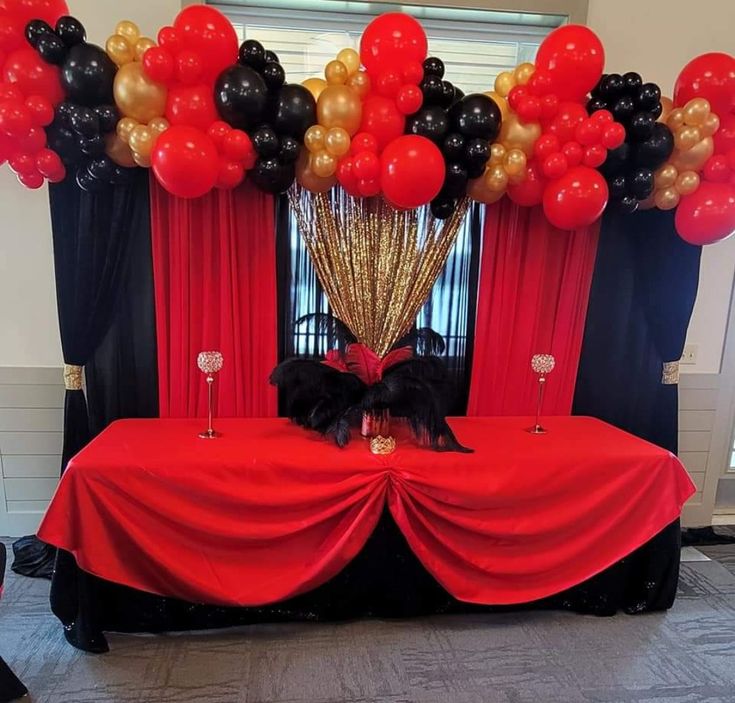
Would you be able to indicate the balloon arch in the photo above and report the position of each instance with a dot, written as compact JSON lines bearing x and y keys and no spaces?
{"x":203,"y":113}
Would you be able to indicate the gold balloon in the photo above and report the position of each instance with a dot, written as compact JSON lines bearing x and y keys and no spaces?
{"x":501,"y":102}
{"x":119,"y":151}
{"x":314,"y":138}
{"x":143,"y":160}
{"x":315,"y":86}
{"x":497,"y":153}
{"x":336,"y":73}
{"x":665,"y":177}
{"x":667,"y":105}
{"x":119,"y":50}
{"x":129,"y":30}
{"x":496,"y":179}
{"x":696,"y":111}
{"x":159,"y":125}
{"x":308,"y":179}
{"x":504,"y":83}
{"x":516,"y":135}
{"x":686,"y":137}
{"x":477,"y":190}
{"x":710,"y":125}
{"x":695,"y":158}
{"x":647,"y":204}
{"x":360,"y":83}
{"x":137,"y":95}
{"x":351,"y":59}
{"x":675,"y":119}
{"x":323,"y":164}
{"x":339,"y":106}
{"x":515,"y":162}
{"x":687,"y":182}
{"x":141,"y":140}
{"x":666,"y":199}
{"x":125,"y":126}
{"x":523,"y":72}
{"x":141,"y":46}
{"x":337,"y":141}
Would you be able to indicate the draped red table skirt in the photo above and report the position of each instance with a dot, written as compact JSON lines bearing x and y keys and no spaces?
{"x":269,"y":511}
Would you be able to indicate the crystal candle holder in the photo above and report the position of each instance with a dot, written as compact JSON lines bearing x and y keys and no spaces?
{"x":209,"y":363}
{"x":542,"y":364}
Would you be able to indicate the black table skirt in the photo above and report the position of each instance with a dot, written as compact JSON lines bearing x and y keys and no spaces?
{"x":385,"y":580}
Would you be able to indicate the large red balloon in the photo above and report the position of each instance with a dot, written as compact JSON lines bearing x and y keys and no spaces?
{"x":576,"y":199}
{"x":33,"y":76}
{"x":391,"y":41}
{"x":707,"y":215}
{"x":208,"y":33}
{"x":412,"y":171}
{"x":572,"y":58}
{"x":26,"y":10}
{"x":185,"y":162}
{"x":192,"y":106}
{"x":382,"y":119}
{"x":530,"y":191}
{"x":710,"y":76}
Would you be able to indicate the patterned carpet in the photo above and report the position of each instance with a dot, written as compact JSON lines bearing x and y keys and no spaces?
{"x":684,"y":656}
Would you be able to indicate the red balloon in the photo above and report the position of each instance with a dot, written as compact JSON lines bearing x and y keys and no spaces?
{"x":530,"y":191}
{"x":588,"y":132}
{"x":208,"y":33}
{"x":613,"y":135}
{"x":529,"y":108}
{"x":413,"y":72}
{"x":594,"y":156}
{"x":192,"y":106}
{"x":11,"y":32}
{"x":158,"y":64}
{"x":366,"y":166}
{"x":388,"y":84}
{"x":516,"y":95}
{"x":549,"y":107}
{"x":10,"y":93}
{"x":26,"y":10}
{"x":40,"y":110}
{"x":22,"y":163}
{"x":33,"y":76}
{"x":50,"y":165}
{"x":169,"y":38}
{"x":573,"y":57}
{"x":564,"y":125}
{"x":577,"y":199}
{"x":380,"y":117}
{"x":602,"y":117}
{"x":218,"y":131}
{"x":710,"y":76}
{"x":555,"y":165}
{"x":231,"y":175}
{"x":724,"y":137}
{"x":347,"y":178}
{"x":707,"y":215}
{"x":15,"y":120}
{"x":188,"y":67}
{"x":409,"y":99}
{"x":412,"y":171}
{"x":7,"y":148}
{"x":185,"y":162}
{"x":546,"y":145}
{"x":237,"y":145}
{"x":363,"y":141}
{"x":32,"y":179}
{"x":34,"y":141}
{"x":369,"y":187}
{"x":392,"y":40}
{"x":574,"y":153}
{"x":717,"y":169}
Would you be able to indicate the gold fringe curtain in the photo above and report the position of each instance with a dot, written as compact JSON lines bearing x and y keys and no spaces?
{"x":377,"y":265}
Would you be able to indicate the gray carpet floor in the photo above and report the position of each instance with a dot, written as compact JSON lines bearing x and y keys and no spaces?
{"x":686,"y":655}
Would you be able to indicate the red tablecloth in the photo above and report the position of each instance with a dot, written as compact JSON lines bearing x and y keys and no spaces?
{"x":269,"y":511}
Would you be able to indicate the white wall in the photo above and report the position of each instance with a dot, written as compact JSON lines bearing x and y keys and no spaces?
{"x":657,"y":38}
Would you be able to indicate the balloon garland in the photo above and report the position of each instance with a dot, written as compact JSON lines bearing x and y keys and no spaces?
{"x":203,"y":113}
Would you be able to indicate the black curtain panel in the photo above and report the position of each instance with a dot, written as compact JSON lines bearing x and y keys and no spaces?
{"x":104,"y":288}
{"x":643,"y":291}
{"x":450,"y":310}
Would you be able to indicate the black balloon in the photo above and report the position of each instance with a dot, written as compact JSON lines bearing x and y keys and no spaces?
{"x":289,"y":152}
{"x":477,"y":116}
{"x":432,"y":88}
{"x":612,"y":85}
{"x":272,"y":176}
{"x":453,"y":147}
{"x":640,"y":183}
{"x":442,"y":207}
{"x":64,"y":112}
{"x":623,"y":109}
{"x":430,"y":122}
{"x":628,"y":204}
{"x":455,"y":181}
{"x":433,"y":66}
{"x":596,"y":103}
{"x":87,"y":75}
{"x":648,"y":97}
{"x":641,"y":126}
{"x":273,"y":75}
{"x":633,"y":81}
{"x":265,"y":141}
{"x":36,"y":29}
{"x":241,"y":96}
{"x":86,"y":181}
{"x":102,"y":168}
{"x":108,"y":116}
{"x":295,"y":111}
{"x":85,"y":122}
{"x":64,"y":142}
{"x":71,"y":31}
{"x":51,"y":49}
{"x":252,"y":54}
{"x":271,"y":57}
{"x":92,"y":146}
{"x":617,"y":187}
{"x":448,"y":93}
{"x":654,"y":151}
{"x":477,"y":153}
{"x":616,"y":161}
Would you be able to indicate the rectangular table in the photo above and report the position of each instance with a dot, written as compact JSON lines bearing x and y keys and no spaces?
{"x":269,"y":511}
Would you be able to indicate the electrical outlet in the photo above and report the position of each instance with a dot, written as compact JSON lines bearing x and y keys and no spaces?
{"x":690,"y":354}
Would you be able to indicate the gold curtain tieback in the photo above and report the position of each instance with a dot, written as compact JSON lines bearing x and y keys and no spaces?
{"x":382,"y":445}
{"x":670,"y":375}
{"x":73,"y":377}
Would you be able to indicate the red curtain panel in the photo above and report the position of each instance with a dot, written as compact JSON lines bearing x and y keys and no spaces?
{"x":532,"y":299}
{"x":215,"y":288}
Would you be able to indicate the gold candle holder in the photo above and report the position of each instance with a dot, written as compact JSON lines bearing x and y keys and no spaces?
{"x":209,"y":363}
{"x":542,"y":364}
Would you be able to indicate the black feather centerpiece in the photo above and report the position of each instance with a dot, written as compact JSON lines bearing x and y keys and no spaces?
{"x":330,"y":396}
